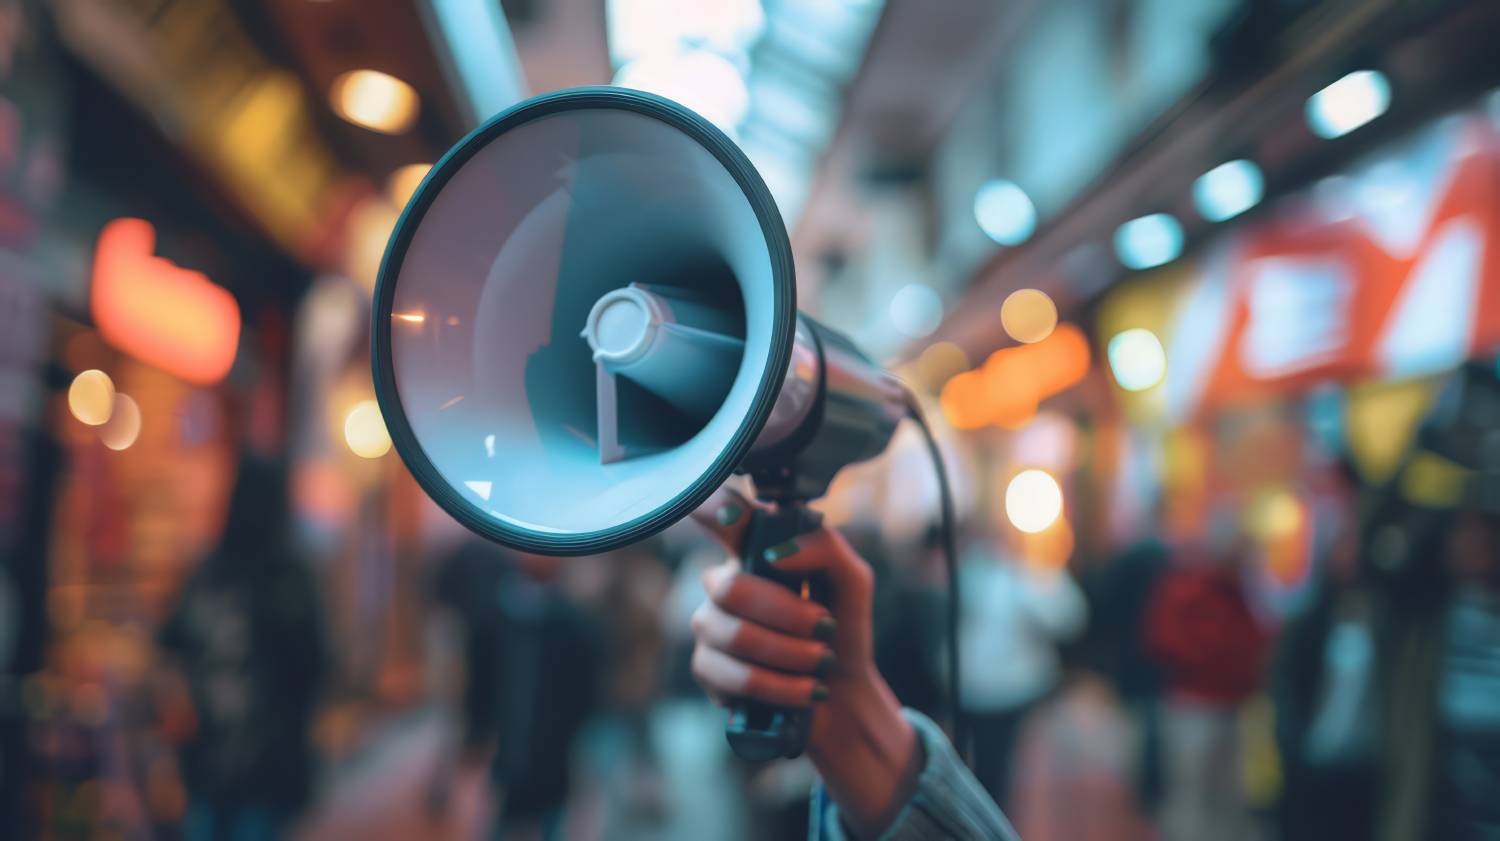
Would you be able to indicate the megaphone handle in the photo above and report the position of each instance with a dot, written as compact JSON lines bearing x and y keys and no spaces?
{"x":760,"y":732}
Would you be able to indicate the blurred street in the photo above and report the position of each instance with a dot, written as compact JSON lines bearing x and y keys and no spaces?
{"x":381,"y":792}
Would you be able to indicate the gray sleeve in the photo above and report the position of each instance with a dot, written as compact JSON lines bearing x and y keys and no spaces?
{"x":948,"y":803}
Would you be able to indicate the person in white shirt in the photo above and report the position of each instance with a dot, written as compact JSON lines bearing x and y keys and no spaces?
{"x":1015,"y":612}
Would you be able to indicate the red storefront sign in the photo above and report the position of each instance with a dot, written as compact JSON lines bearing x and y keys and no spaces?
{"x":1391,"y":271}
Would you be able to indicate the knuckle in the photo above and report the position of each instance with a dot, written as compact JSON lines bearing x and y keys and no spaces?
{"x":720,"y":586}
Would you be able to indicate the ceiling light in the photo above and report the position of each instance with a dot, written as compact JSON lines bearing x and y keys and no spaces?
{"x":1149,"y":241}
{"x":1228,"y":190}
{"x":378,"y":101}
{"x":1348,"y":103}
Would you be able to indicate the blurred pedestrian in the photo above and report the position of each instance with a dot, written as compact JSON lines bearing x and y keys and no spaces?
{"x":247,"y":636}
{"x":1466,"y":791}
{"x":1014,"y":615}
{"x":1209,"y":646}
{"x":1119,"y":593}
{"x":551,"y":676}
{"x":1441,"y":649}
{"x":634,"y":597}
{"x":467,"y":620}
{"x":1327,"y":704}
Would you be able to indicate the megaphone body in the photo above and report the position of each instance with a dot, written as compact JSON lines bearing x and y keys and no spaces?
{"x":585,"y":321}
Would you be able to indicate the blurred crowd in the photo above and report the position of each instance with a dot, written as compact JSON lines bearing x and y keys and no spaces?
{"x":1151,"y":693}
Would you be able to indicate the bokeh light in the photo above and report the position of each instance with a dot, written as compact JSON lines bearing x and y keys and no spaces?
{"x":1137,"y":359}
{"x":1276,"y":515}
{"x":1028,"y":315}
{"x":91,"y":397}
{"x":1149,"y":241}
{"x":375,"y":100}
{"x":1228,"y":190}
{"x":1012,"y":382}
{"x":916,"y":310}
{"x":404,"y":182}
{"x":365,"y":432}
{"x":1348,"y":103}
{"x":1004,"y":212}
{"x":124,"y":424}
{"x":1033,"y":500}
{"x":962,"y":401}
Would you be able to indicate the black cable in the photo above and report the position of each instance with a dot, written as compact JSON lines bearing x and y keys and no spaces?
{"x":950,"y":563}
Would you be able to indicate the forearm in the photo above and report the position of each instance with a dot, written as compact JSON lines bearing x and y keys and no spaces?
{"x":868,"y":755}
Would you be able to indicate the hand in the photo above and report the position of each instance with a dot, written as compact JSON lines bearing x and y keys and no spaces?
{"x":757,"y":640}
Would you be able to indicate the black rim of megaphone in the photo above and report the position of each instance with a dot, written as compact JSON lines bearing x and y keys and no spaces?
{"x":784,"y":320}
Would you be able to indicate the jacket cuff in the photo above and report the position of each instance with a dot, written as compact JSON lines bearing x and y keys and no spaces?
{"x":946,"y":803}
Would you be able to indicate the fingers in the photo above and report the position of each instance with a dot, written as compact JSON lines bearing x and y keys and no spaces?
{"x":726,"y":514}
{"x":825,"y":551}
{"x":758,"y":644}
{"x":723,"y":676}
{"x":764,"y":602}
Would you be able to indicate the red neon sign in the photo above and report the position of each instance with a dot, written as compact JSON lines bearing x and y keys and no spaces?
{"x":160,"y":313}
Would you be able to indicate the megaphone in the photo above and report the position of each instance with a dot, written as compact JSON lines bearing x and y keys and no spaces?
{"x":586,"y":320}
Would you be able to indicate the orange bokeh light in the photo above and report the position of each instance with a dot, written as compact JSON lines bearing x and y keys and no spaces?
{"x":173,"y":318}
{"x":1008,"y":387}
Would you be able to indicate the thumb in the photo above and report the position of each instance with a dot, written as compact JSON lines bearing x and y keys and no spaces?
{"x":726,"y":515}
{"x":825,"y":551}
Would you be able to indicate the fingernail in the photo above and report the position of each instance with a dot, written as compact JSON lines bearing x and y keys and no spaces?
{"x":780,"y":551}
{"x":728,"y":514}
{"x":823,"y":629}
{"x":825,"y":664}
{"x":819,"y":693}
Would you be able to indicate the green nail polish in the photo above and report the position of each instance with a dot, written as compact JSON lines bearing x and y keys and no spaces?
{"x":780,"y":551}
{"x":823,"y":629}
{"x":825,"y":664}
{"x":728,"y":514}
{"x":819,"y":693}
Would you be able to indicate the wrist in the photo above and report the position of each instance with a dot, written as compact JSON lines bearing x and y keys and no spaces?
{"x":868,"y":754}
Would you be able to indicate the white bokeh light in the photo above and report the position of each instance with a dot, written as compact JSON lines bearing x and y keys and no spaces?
{"x":1228,"y":190}
{"x":1348,"y":103}
{"x":1137,"y":359}
{"x":1033,"y":500}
